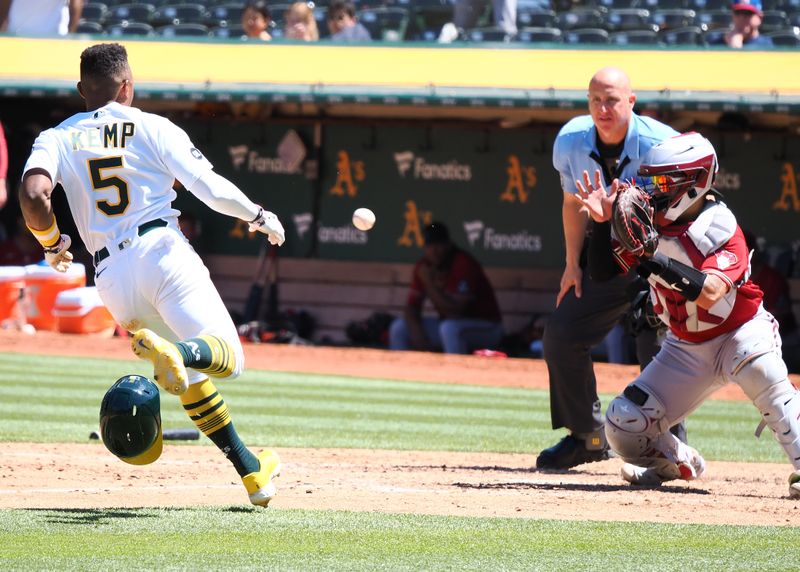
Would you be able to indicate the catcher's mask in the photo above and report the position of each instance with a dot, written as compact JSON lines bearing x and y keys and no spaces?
{"x":678,"y":172}
{"x":130,"y":420}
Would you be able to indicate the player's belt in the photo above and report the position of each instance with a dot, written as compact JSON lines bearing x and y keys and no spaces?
{"x":102,"y":254}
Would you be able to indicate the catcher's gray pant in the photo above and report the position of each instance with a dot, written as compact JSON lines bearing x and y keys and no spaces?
{"x":576,"y":325}
{"x":455,"y":336}
{"x":684,"y":374}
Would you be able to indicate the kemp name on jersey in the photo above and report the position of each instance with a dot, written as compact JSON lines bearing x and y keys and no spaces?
{"x":113,"y":135}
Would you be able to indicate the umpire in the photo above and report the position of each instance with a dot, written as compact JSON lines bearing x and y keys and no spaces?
{"x":613,"y":140}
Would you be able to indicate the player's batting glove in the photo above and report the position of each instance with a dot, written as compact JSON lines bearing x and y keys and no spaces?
{"x":269,"y":224}
{"x":58,"y":256}
{"x":632,"y":222}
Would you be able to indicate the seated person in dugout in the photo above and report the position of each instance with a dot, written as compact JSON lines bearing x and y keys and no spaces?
{"x":691,"y":250}
{"x":469,"y":317}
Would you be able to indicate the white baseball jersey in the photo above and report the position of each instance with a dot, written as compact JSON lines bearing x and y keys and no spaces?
{"x":39,"y":17}
{"x":117,"y":165}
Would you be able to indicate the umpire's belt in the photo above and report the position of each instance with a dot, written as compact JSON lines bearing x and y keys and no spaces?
{"x":102,"y":254}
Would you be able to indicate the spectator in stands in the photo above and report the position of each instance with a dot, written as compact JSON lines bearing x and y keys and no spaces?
{"x":455,"y":283}
{"x":467,"y":13}
{"x":343,"y":25}
{"x":40,"y":17}
{"x":299,"y":23}
{"x":256,"y":20}
{"x":744,"y":32}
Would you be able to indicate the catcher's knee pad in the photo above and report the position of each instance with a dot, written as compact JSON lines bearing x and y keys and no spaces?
{"x":633,"y":421}
{"x":779,"y":405}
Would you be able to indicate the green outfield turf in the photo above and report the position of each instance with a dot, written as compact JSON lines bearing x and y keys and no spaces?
{"x":58,"y":398}
{"x":48,"y":399}
{"x":238,"y":538}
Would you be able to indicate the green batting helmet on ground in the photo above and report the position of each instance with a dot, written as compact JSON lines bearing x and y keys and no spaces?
{"x":130,"y":420}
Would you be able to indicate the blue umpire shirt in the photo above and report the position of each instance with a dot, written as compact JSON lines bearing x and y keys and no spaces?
{"x":575,"y":149}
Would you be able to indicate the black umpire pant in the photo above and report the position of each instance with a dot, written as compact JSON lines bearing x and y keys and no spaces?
{"x":577,"y":325}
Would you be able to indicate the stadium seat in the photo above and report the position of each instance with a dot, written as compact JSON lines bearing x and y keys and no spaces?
{"x":278,"y":12}
{"x":580,"y":19}
{"x":538,"y":35}
{"x":713,"y":19}
{"x":620,"y":4}
{"x":94,"y":12}
{"x":586,"y":36}
{"x":673,"y":18}
{"x":634,"y":37}
{"x":688,"y":36}
{"x":184,"y":30}
{"x":131,"y":29}
{"x":794,"y":19}
{"x":142,"y":13}
{"x":88,"y":27}
{"x":620,"y":19}
{"x":664,"y":4}
{"x":706,"y":5}
{"x":535,"y":18}
{"x":172,"y":14}
{"x":387,"y":24}
{"x":229,"y":14}
{"x":490,"y":34}
{"x":321,"y":17}
{"x":774,"y":21}
{"x":715,"y":37}
{"x":427,"y":18}
{"x":230,"y":32}
{"x":786,"y":38}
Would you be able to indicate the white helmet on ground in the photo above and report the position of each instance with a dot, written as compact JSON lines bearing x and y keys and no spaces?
{"x":678,"y":172}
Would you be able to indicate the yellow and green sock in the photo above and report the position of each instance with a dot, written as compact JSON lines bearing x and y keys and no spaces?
{"x":208,"y":411}
{"x":208,"y":354}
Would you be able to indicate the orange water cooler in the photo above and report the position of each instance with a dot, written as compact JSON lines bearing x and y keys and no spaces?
{"x":42,"y":285}
{"x":81,"y":311}
{"x":12,"y":290}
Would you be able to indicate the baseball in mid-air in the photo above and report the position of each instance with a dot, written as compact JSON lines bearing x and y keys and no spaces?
{"x":363,"y":218}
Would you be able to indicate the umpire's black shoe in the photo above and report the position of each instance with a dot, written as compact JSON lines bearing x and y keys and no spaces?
{"x":570,"y":452}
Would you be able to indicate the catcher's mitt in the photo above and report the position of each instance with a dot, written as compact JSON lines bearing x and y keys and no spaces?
{"x":632,"y":221}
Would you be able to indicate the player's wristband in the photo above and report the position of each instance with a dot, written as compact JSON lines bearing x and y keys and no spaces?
{"x":48,"y":237}
{"x":258,"y":216}
{"x":682,"y":278}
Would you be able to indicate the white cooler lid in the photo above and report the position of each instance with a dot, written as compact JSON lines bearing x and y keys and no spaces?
{"x":39,"y":271}
{"x":86,"y":297}
{"x":12,"y":272}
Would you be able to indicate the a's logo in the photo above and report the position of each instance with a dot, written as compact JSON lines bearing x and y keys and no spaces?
{"x":473,"y":230}
{"x":521,"y":180}
{"x":789,"y":198}
{"x":302,"y":222}
{"x":726,"y":259}
{"x":347,"y":174}
{"x":195,"y":349}
{"x":196,"y":153}
{"x":403,"y":160}
{"x":450,"y":171}
{"x":415,"y":220}
{"x":238,"y":155}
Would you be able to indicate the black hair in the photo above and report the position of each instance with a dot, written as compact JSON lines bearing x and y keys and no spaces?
{"x":259,"y":6}
{"x":104,"y":61}
{"x":345,"y":6}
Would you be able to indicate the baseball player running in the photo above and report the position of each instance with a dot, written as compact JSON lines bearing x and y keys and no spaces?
{"x":673,"y":225}
{"x":117,"y":166}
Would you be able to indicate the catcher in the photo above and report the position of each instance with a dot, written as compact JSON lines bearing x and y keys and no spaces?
{"x":673,"y":226}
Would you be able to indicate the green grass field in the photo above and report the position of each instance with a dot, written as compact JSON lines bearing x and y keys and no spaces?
{"x":57,"y":399}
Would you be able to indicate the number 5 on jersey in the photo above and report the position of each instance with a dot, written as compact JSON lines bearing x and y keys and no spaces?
{"x":99,"y":182}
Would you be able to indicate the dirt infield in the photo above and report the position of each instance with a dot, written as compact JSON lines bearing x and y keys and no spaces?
{"x":474,"y":484}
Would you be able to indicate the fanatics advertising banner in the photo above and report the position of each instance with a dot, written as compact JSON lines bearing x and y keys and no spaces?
{"x":495,"y":189}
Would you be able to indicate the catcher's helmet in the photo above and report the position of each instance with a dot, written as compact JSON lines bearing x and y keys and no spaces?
{"x":678,"y":172}
{"x":130,"y":420}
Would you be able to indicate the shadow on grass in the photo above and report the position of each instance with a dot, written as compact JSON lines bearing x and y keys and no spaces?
{"x":96,"y":516}
{"x":583,"y":487}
